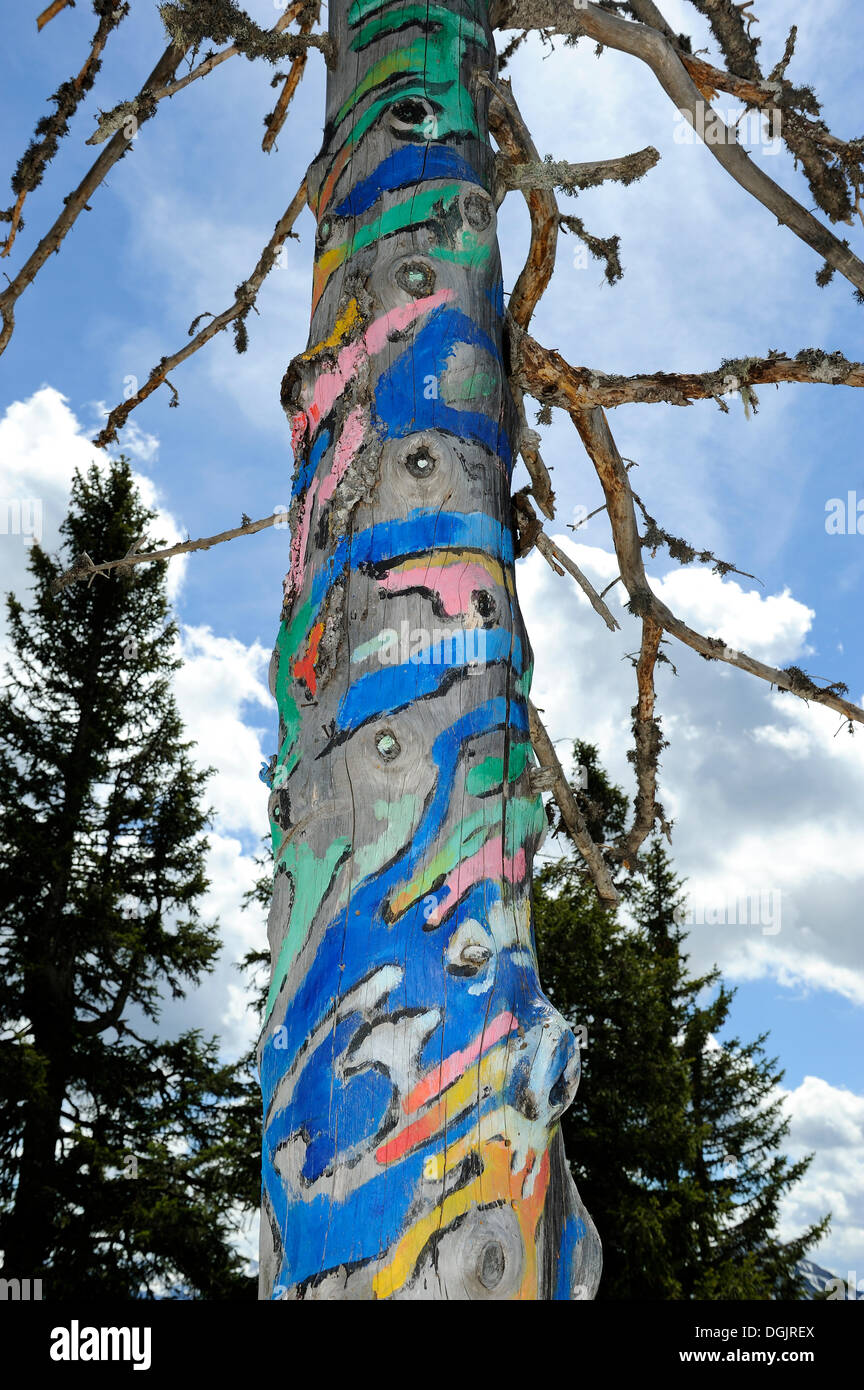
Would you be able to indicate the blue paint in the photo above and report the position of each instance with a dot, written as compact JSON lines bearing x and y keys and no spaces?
{"x":574,"y":1230}
{"x":411,"y":164}
{"x":393,"y":687}
{"x":408,"y":379}
{"x":306,"y":473}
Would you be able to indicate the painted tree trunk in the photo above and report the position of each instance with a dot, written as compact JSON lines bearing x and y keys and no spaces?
{"x":413,"y":1073}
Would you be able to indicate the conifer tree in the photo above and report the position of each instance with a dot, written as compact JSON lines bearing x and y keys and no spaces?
{"x":116,"y":1168}
{"x":677,"y":1143}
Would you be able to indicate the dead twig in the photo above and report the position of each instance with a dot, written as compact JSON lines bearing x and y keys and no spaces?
{"x":244,"y":301}
{"x":51,"y":10}
{"x":84,"y":568}
{"x":571,"y":816}
{"x":558,"y":558}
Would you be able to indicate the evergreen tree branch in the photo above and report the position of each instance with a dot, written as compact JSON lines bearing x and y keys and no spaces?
{"x":246,"y":295}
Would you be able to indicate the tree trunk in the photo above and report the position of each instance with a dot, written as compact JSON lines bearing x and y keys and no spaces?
{"x":413,"y":1073}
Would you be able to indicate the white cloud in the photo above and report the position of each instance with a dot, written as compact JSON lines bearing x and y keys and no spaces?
{"x":42,"y":443}
{"x":828,"y":1121}
{"x":219,"y":680}
{"x":758,"y":786}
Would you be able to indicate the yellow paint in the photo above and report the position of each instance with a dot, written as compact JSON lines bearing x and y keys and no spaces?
{"x":341,"y":329}
{"x":499,"y":1180}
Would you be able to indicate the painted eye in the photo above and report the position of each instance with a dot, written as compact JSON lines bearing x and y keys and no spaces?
{"x":490,"y":1264}
{"x":474,"y":955}
{"x":484,"y":603}
{"x":387,"y":745}
{"x":410,"y":112}
{"x":416,"y":277}
{"x":325,"y":230}
{"x":421,"y":463}
{"x":477,"y":211}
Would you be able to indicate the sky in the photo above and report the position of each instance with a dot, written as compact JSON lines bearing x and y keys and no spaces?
{"x":766,"y":793}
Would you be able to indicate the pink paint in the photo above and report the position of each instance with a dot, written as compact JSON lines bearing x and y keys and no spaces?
{"x":454,"y":584}
{"x":488,"y":862}
{"x":329,"y":386}
{"x":348,"y":444}
{"x":298,"y":429}
{"x":435,"y":1081}
{"x":294,"y":577}
{"x":378,"y":334}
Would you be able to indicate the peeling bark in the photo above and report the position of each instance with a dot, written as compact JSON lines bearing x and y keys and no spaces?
{"x":413,"y":1072}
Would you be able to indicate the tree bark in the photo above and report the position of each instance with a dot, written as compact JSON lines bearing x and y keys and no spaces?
{"x":413,"y":1072}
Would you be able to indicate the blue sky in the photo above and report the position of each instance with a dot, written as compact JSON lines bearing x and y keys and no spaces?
{"x":766,"y":793}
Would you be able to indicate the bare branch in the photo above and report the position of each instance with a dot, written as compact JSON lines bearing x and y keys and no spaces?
{"x":546,"y":374}
{"x":77,"y":201}
{"x":514,"y":139}
{"x":245,"y":299}
{"x":571,"y":815}
{"x":189,"y":22}
{"x":541,"y":482}
{"x":551,"y":173}
{"x":110,"y":121}
{"x":557,"y":558}
{"x":645,"y":754}
{"x":84,"y":568}
{"x":51,"y":129}
{"x":276,"y":119}
{"x":834,"y":168}
{"x":594,"y":430}
{"x":652,"y":47}
{"x":53,"y":9}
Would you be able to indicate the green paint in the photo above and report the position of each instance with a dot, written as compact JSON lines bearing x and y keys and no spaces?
{"x":471,"y":253}
{"x":400,"y":817}
{"x":433,"y":60}
{"x":488,"y":776}
{"x":478,"y":384}
{"x":361,"y":9}
{"x":470,"y":836}
{"x":288,"y":643}
{"x":375,"y":644}
{"x":419,"y":207}
{"x":312,"y":877}
{"x":525,"y":817}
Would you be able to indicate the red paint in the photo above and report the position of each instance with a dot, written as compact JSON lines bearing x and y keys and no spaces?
{"x":304,"y":667}
{"x":435,"y":1081}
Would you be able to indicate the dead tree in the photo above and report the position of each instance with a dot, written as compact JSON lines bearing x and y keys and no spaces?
{"x":413,"y":1072}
